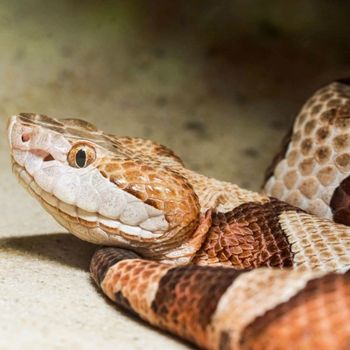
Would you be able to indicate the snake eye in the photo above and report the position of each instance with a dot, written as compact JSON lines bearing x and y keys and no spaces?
{"x":81,"y":155}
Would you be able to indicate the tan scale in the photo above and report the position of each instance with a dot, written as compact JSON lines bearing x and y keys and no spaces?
{"x":318,"y":156}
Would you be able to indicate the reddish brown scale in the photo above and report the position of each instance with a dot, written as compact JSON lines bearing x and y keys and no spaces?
{"x":343,"y":116}
{"x":322,"y":133}
{"x":145,"y":148}
{"x":249,"y":236}
{"x":106,"y":257}
{"x":184,"y":300}
{"x":160,"y":188}
{"x":126,"y":279}
{"x":161,"y":150}
{"x":306,"y":146}
{"x":340,"y":203}
{"x":341,"y":142}
{"x":315,"y":318}
{"x":187,"y":298}
{"x":329,"y":116}
{"x":157,"y":186}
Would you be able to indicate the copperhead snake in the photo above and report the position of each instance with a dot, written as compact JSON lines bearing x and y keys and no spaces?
{"x":220,"y":266}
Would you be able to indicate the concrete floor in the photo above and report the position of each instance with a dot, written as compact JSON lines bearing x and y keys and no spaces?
{"x":222,"y":104}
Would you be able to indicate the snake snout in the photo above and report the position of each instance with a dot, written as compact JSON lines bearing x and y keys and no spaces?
{"x":26,"y":136}
{"x":19,"y":135}
{"x":10,"y":123}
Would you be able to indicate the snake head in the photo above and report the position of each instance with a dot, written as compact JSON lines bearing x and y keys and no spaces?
{"x":104,"y":189}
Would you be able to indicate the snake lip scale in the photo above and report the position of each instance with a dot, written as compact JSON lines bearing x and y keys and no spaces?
{"x":219,"y":266}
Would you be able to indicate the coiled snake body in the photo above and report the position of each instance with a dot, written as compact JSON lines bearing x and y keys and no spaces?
{"x":222,"y":267}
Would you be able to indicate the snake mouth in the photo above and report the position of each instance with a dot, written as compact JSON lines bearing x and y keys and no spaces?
{"x":113,"y":231}
{"x":40,"y":173}
{"x":44,"y":155}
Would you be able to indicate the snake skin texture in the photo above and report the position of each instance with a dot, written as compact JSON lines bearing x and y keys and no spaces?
{"x":222,"y":308}
{"x":312,"y":170}
{"x":220,"y":266}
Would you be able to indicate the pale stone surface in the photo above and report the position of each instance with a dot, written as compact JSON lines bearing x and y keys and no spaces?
{"x":222,"y":108}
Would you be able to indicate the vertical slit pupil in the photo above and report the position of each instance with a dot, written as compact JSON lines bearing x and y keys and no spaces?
{"x":80,"y":158}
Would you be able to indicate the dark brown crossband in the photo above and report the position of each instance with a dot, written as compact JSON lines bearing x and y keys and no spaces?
{"x":249,"y":236}
{"x":106,"y":257}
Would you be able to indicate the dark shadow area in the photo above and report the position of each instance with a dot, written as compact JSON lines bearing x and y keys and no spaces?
{"x":66,"y":249}
{"x":243,"y":50}
{"x":62,"y":248}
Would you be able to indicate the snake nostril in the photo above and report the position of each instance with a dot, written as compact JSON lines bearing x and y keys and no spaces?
{"x":25,"y":137}
{"x":48,"y":158}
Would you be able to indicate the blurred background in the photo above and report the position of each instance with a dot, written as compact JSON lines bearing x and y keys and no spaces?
{"x":217,"y":81}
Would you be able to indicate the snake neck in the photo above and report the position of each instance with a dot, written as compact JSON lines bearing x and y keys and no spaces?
{"x":215,"y":199}
{"x":216,"y":195}
{"x":245,"y":230}
{"x":186,"y":252}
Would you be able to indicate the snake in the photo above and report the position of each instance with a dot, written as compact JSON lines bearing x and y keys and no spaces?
{"x":214,"y":264}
